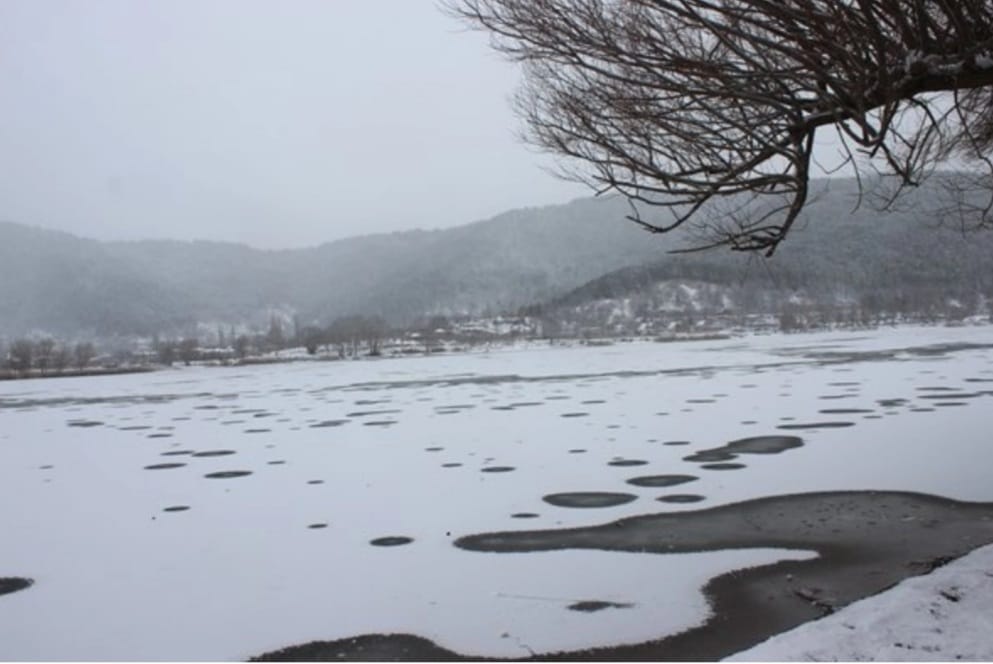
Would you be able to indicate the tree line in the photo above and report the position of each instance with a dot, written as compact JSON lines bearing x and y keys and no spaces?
{"x":45,"y":356}
{"x":345,"y":337}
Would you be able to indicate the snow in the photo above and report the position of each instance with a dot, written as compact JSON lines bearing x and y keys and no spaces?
{"x":240,"y":573}
{"x":945,"y":615}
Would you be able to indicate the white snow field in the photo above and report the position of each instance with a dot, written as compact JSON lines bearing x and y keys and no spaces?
{"x":402,"y":447}
{"x":946,"y":615}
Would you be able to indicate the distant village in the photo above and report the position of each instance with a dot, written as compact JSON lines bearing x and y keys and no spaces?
{"x":285,"y":339}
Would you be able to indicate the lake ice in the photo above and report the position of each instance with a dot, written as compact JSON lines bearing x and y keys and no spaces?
{"x":290,"y":472}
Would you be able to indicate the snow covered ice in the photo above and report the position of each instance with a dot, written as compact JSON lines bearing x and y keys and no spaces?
{"x":289,"y":472}
{"x":946,"y":615}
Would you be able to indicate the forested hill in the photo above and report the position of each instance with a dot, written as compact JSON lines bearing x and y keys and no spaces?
{"x":906,"y":261}
{"x":60,"y":284}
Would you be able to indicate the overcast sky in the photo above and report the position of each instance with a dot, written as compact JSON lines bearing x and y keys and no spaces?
{"x":276,"y":123}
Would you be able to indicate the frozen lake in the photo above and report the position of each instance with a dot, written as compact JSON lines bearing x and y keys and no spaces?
{"x":219,"y":513}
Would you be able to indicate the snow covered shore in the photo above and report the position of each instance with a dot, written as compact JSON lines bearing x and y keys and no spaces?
{"x":942,"y":616}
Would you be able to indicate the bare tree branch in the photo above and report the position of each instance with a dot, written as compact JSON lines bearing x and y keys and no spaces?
{"x":676,"y":104}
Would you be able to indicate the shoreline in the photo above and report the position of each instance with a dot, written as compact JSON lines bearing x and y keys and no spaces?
{"x":867,"y":542}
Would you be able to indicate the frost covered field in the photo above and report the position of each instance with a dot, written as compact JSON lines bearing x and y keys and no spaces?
{"x":205,"y":513}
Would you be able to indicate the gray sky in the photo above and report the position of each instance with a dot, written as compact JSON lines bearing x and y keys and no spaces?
{"x":272,"y":122}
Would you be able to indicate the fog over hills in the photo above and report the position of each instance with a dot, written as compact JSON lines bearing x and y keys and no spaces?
{"x":52,"y":282}
{"x":60,"y":284}
{"x":911,"y":261}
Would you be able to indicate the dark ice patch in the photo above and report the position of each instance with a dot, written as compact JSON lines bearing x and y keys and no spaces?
{"x":588,"y":499}
{"x":681,"y":498}
{"x":750,"y":445}
{"x":392,"y":540}
{"x":627,"y":462}
{"x":815,"y":425}
{"x":658,"y":481}
{"x":953,"y":395}
{"x":366,"y":413}
{"x":12,"y":584}
{"x":227,"y":474}
{"x":593,"y":605}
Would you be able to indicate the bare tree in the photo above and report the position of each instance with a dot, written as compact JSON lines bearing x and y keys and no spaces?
{"x":312,"y":337}
{"x":275,"y":337}
{"x":189,"y":350}
{"x":166,"y":352}
{"x":374,"y":329}
{"x":61,"y":357}
{"x":709,"y":109}
{"x":21,"y":356}
{"x":43,"y":350}
{"x":241,"y":345}
{"x":83,"y":354}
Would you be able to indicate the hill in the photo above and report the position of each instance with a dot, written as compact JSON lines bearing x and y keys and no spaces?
{"x":60,"y":284}
{"x":837,"y":263}
{"x":562,"y":256}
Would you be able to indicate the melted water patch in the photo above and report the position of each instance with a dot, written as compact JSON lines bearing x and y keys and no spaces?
{"x":392,"y":540}
{"x":588,"y":499}
{"x":815,"y":425}
{"x":593,"y":605}
{"x":627,"y":462}
{"x":12,"y":584}
{"x":681,"y":498}
{"x":750,"y":445}
{"x":658,"y":481}
{"x":227,"y":474}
